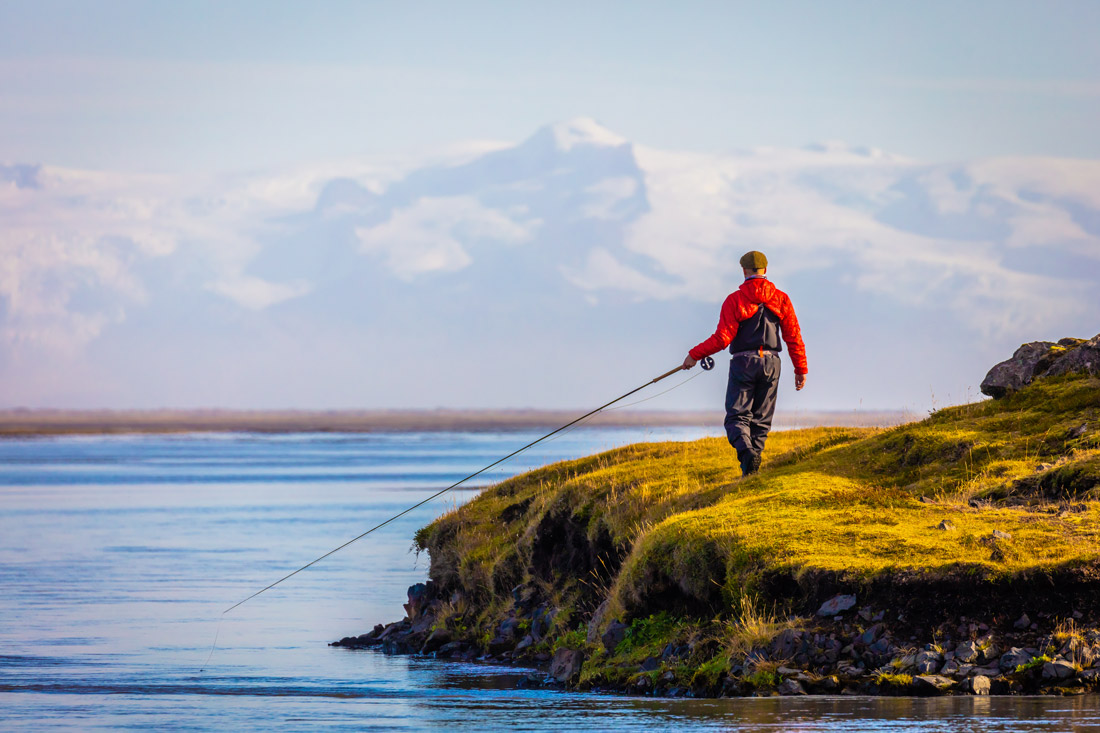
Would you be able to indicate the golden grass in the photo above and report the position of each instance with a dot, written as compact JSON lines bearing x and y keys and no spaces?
{"x":858,"y":501}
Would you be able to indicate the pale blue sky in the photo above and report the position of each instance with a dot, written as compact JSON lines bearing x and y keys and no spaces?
{"x":216,"y":86}
{"x":322,"y":234}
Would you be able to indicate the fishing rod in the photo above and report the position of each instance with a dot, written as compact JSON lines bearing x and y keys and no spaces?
{"x":706,"y":362}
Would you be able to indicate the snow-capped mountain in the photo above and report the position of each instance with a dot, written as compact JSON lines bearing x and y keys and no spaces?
{"x":563,"y":252}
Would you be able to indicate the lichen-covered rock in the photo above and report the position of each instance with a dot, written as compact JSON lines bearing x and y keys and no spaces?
{"x":1042,"y":359}
{"x":1084,"y":357}
{"x":1015,"y":373}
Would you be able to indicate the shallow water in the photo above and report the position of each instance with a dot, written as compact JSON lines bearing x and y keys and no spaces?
{"x":118,"y":554}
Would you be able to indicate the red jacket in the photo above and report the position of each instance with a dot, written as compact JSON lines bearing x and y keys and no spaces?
{"x":743,"y":304}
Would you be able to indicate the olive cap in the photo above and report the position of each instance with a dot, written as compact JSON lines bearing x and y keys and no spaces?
{"x":754,"y":260}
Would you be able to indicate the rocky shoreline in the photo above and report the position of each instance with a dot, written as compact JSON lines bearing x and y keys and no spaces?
{"x":845,"y":649}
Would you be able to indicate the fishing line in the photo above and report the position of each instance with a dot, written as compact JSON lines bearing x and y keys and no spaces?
{"x":707,"y":364}
{"x":631,"y":404}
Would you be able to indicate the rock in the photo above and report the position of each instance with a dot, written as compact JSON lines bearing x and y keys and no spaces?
{"x":836,"y":605}
{"x":790,"y":687}
{"x":394,"y":628}
{"x":435,"y":640}
{"x":949,"y":668}
{"x":501,"y":644}
{"x":1084,"y":357}
{"x":525,"y":642}
{"x":865,"y":613}
{"x":785,"y":644}
{"x":650,"y":664}
{"x":946,"y":526}
{"x":868,"y":637}
{"x":596,"y":621}
{"x":932,"y":684}
{"x":450,"y":649}
{"x":1059,"y":669}
{"x":566,"y":665}
{"x":1015,"y":373}
{"x":529,"y":682}
{"x":977,"y":685}
{"x":984,"y":671}
{"x":999,"y":535}
{"x":1013,"y":658}
{"x":1022,"y":623}
{"x":1090,"y":675}
{"x":881,"y":647}
{"x":966,"y":651}
{"x":420,"y":596}
{"x":928,"y":662}
{"x":508,"y":628}
{"x":616,"y":632}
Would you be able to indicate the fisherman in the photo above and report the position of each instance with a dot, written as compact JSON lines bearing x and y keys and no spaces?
{"x":752,"y":320}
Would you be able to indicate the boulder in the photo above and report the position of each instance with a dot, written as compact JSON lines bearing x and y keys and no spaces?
{"x":785,"y":644}
{"x":1084,"y":357}
{"x":616,"y":632}
{"x":566,"y":665}
{"x":1014,"y":657}
{"x":868,"y":637}
{"x":1015,"y":373}
{"x":420,"y":597}
{"x":928,"y":662}
{"x":1059,"y":669}
{"x":595,"y":622}
{"x":790,"y":687}
{"x":1022,"y":623}
{"x":435,"y":640}
{"x":945,"y":526}
{"x":966,"y":651}
{"x":977,"y":685}
{"x":932,"y":684}
{"x":1042,"y":359}
{"x":836,"y":605}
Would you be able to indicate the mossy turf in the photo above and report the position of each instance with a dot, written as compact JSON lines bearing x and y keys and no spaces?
{"x":672,"y":526}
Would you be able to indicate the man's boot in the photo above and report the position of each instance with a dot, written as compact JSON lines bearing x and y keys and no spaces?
{"x":750,"y":462}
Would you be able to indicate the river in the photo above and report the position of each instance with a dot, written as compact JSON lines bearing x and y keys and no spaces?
{"x":119,"y":553}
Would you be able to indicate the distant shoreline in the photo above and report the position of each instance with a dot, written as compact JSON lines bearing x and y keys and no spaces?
{"x":21,"y":423}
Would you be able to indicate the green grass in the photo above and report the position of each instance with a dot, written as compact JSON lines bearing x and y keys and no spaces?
{"x":672,"y":527}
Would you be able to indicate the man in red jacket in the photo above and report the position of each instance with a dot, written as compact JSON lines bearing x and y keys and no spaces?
{"x":753,"y":319}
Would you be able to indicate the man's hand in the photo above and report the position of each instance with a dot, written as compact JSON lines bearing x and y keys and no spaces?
{"x":799,"y":381}
{"x":689,"y":362}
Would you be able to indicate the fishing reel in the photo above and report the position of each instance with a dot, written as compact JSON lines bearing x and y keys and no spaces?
{"x":707,"y":363}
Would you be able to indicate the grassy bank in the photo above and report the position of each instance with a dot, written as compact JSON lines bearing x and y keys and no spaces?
{"x":662,"y":552}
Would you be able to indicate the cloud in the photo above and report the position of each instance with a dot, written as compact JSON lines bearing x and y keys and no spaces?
{"x":432,"y":235}
{"x":971,"y":85}
{"x":256,"y":294}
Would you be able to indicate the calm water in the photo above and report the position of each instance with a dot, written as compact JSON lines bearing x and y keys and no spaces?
{"x":117,"y":555}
